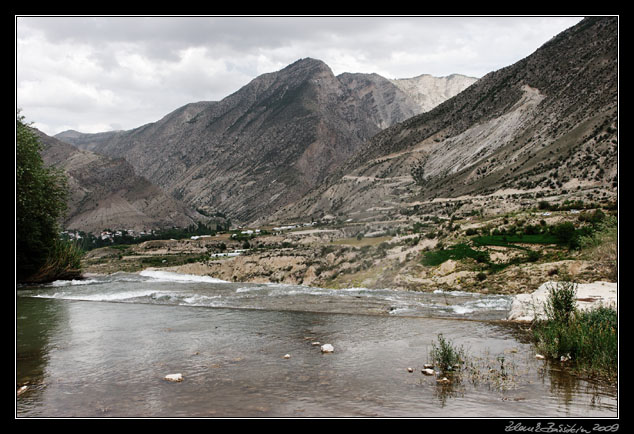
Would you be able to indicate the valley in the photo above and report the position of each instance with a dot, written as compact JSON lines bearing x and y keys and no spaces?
{"x":462,"y":250}
{"x":333,"y":245}
{"x":379,"y":175}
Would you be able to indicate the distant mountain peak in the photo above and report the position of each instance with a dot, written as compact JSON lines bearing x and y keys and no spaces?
{"x":545,"y":126}
{"x":264,"y":145}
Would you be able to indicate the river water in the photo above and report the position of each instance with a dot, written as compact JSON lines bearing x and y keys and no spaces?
{"x":101,"y":347}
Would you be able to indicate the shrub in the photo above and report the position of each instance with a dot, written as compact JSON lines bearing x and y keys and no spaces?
{"x":565,"y":234}
{"x":533,"y":256}
{"x":561,"y":304}
{"x":445,"y":356}
{"x":588,"y":339}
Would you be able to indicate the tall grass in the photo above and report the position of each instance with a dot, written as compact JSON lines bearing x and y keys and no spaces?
{"x":63,"y":262}
{"x":587,"y":340}
{"x":561,"y":303}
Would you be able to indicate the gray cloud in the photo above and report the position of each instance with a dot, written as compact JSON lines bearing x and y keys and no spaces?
{"x":96,"y":73}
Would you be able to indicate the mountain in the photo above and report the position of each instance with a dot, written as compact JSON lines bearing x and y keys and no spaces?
{"x":262,"y":147}
{"x":428,"y":91}
{"x":544,"y":126}
{"x":106,"y":193}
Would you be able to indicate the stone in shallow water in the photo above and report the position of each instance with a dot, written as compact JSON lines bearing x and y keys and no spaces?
{"x":174,"y":377}
{"x":327,"y":348}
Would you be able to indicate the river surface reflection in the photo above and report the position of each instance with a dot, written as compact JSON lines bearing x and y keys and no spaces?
{"x":86,"y":350}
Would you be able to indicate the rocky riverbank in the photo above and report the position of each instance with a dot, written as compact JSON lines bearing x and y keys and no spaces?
{"x":334,"y":258}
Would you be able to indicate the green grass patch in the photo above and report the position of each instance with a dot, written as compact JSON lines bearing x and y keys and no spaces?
{"x":464,"y":251}
{"x":456,"y":252}
{"x":511,"y":240}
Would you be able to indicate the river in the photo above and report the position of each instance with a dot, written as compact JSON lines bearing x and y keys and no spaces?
{"x":101,"y":348}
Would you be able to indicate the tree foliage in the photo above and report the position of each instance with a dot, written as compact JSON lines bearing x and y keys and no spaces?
{"x":41,"y":195}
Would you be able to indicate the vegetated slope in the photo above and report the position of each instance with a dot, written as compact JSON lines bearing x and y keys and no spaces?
{"x":105,"y":193}
{"x":546,"y":124}
{"x":265,"y":145}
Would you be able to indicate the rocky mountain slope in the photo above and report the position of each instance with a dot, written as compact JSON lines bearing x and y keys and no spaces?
{"x":429,"y":91}
{"x":544,"y":126}
{"x":106,"y":193}
{"x":262,"y":147}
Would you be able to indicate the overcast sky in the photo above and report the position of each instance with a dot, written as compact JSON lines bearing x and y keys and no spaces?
{"x":95,"y":74}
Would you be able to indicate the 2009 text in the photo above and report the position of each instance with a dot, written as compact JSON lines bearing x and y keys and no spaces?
{"x":552,"y":427}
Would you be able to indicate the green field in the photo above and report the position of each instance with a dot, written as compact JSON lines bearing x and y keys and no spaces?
{"x":511,"y":240}
{"x":457,"y":252}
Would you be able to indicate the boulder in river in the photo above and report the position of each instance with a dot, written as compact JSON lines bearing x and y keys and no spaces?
{"x":327,"y":348}
{"x":176,"y":378}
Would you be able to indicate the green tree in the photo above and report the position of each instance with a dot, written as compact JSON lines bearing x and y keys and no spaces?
{"x":566,"y":234}
{"x":41,"y":195}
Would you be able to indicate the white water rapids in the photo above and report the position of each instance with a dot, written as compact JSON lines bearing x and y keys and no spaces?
{"x":162,"y":287}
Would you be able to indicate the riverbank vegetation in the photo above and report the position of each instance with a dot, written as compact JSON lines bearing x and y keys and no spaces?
{"x":41,"y":195}
{"x":446,"y":356}
{"x":585,"y":340}
{"x":453,"y":366}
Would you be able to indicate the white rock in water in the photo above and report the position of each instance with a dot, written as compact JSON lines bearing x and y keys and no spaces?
{"x":539,"y":356}
{"x":327,"y":348}
{"x":287,"y":356}
{"x":428,"y":371}
{"x":22,"y":389}
{"x":174,"y":377}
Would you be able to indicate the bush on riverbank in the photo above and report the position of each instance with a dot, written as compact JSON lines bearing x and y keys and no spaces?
{"x":587,"y":340}
{"x":41,"y":195}
{"x":63,"y":263}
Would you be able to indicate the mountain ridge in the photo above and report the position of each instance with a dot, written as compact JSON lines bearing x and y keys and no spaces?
{"x":544,"y":125}
{"x":263,"y":146}
{"x":106,"y":193}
